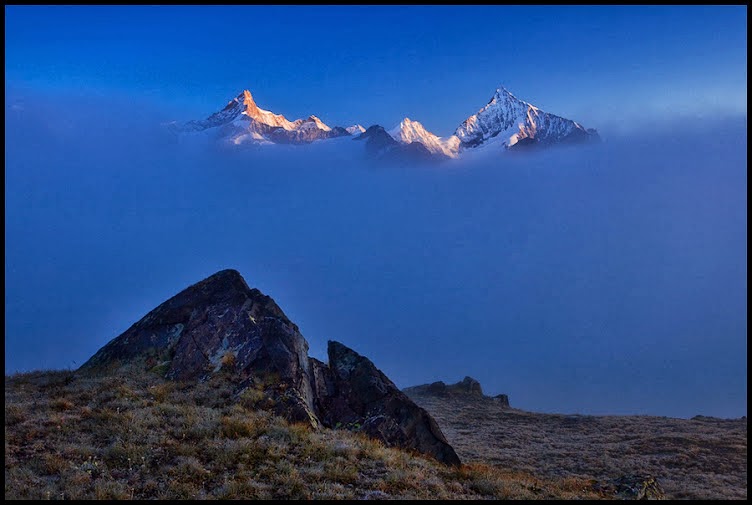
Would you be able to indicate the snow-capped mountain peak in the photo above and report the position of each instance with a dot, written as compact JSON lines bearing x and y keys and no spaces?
{"x":355,"y":129}
{"x":505,"y":120}
{"x":502,"y":94}
{"x":240,"y":107}
{"x":319,"y":123}
{"x":242,"y":120}
{"x":310,"y":123}
{"x":253,"y":111}
{"x":508,"y":120}
{"x":249,"y":105}
{"x":408,"y":131}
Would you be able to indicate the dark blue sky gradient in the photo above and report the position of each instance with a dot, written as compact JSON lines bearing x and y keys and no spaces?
{"x":609,"y":279}
{"x":600,"y":65}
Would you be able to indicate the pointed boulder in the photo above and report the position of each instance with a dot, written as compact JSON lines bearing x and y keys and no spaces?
{"x":219,"y":322}
{"x":357,"y":394}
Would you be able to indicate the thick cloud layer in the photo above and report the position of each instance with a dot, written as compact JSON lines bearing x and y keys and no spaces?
{"x":602,"y":279}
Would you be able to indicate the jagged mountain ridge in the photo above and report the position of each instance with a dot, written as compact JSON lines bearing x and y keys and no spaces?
{"x":505,"y":122}
{"x":242,"y":120}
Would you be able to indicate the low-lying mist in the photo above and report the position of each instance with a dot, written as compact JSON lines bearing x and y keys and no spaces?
{"x":602,"y":279}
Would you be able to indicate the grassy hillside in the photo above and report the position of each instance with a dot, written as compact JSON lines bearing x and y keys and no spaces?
{"x":139,"y":437}
{"x":701,"y":458}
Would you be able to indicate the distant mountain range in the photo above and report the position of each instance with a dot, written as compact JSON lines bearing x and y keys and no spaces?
{"x":504,"y":123}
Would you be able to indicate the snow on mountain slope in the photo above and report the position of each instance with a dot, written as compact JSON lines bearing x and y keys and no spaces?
{"x":506,"y":122}
{"x":509,"y":120}
{"x":379,"y":144}
{"x":311,"y":122}
{"x":355,"y":129}
{"x":242,"y":120}
{"x":409,"y":131}
{"x":241,"y":105}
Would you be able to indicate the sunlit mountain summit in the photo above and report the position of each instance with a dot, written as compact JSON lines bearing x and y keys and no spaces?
{"x":510,"y":122}
{"x":243,"y":121}
{"x":504,"y":123}
{"x":409,"y":131}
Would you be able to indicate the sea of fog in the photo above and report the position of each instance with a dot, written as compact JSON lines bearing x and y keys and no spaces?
{"x":607,"y":279}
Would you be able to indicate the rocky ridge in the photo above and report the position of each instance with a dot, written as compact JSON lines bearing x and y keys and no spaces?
{"x":221,"y":325}
{"x":467,"y":389}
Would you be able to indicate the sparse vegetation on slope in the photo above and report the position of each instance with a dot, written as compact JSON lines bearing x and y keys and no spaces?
{"x":137,"y":436}
{"x":701,"y":458}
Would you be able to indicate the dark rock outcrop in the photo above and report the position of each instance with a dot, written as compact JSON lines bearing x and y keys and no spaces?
{"x":466,"y":390}
{"x":437,"y":388}
{"x":221,"y":326}
{"x":352,"y":391}
{"x":468,"y":385}
{"x":220,"y":322}
{"x":502,"y":400}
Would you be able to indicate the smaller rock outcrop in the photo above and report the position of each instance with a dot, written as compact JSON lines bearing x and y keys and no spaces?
{"x":352,"y":392}
{"x":468,"y":385}
{"x":437,"y":388}
{"x":502,"y":400}
{"x":467,"y":388}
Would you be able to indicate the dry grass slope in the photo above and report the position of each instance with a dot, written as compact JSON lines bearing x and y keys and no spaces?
{"x":139,"y":437}
{"x":692,"y":459}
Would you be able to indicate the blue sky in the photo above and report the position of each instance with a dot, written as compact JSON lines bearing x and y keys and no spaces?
{"x":610,"y":279}
{"x":598,"y":65}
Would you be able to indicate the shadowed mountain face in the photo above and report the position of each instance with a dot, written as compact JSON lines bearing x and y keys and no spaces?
{"x":380,"y":145}
{"x":222,"y":325}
